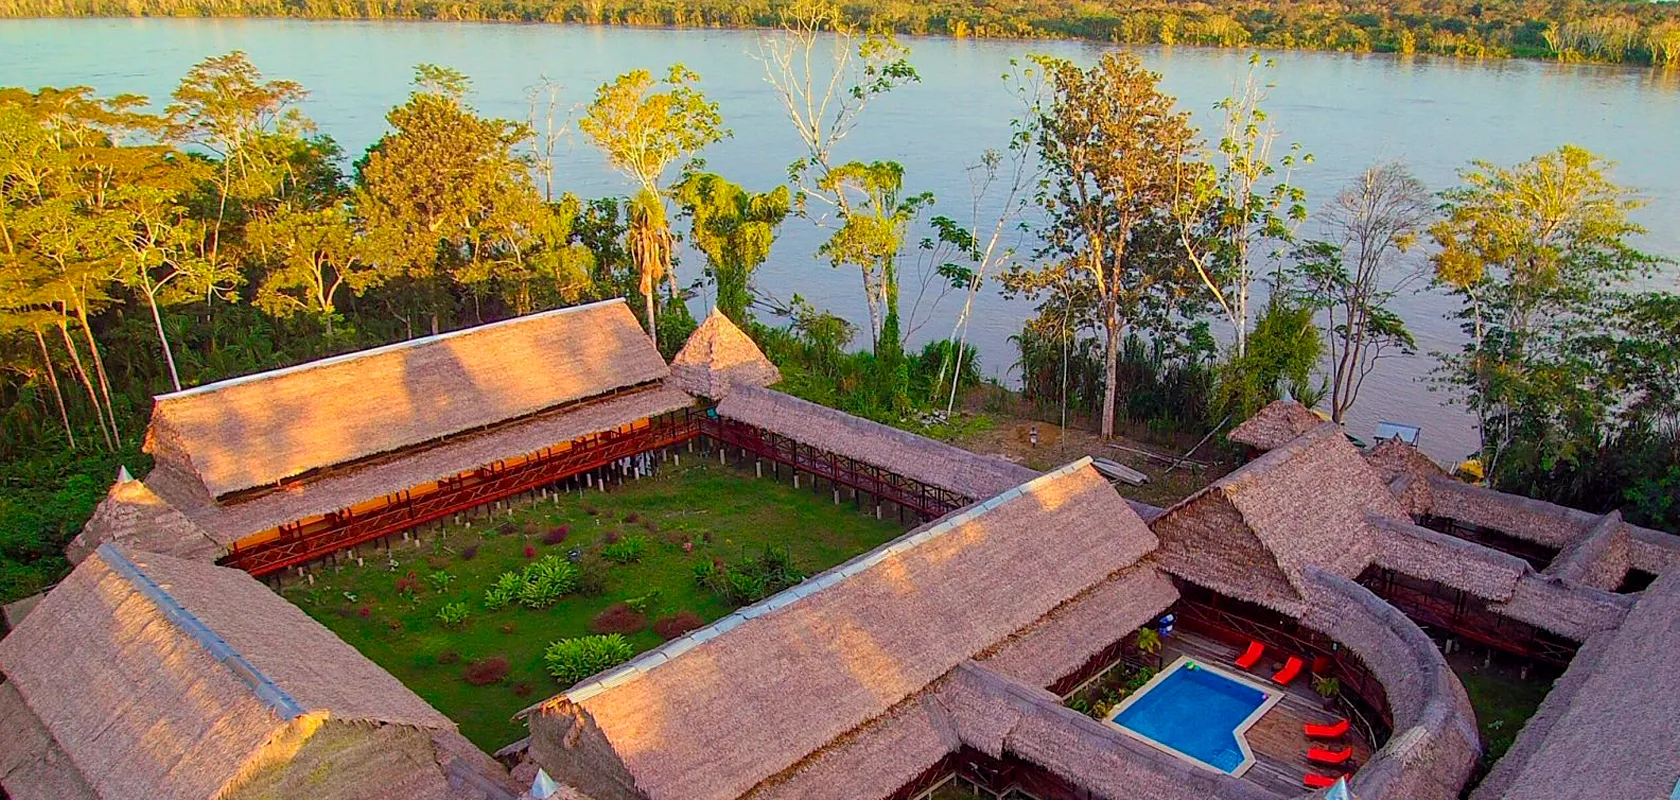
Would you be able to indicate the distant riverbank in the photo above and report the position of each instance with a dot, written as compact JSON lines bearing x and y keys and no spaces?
{"x":1614,"y":31}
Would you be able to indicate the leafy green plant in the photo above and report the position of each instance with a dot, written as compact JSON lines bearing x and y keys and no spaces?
{"x":572,"y":660}
{"x":453,"y":614}
{"x":646,"y":604}
{"x":626,"y":550}
{"x":751,"y":579}
{"x":439,"y":580}
{"x":504,"y":591}
{"x":1326,"y":686}
{"x":546,"y":581}
{"x":1148,"y":641}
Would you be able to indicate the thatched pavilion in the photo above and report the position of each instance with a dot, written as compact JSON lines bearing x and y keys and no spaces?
{"x":146,"y":676}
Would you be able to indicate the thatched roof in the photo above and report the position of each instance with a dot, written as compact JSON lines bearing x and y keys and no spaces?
{"x":1513,"y":515}
{"x":1434,"y":746}
{"x":849,"y":645}
{"x":1610,"y":727}
{"x":935,"y":463}
{"x":718,"y":355}
{"x":335,"y":490}
{"x":133,"y":515}
{"x":1065,"y":639}
{"x":1598,"y":558}
{"x":874,"y":760}
{"x":1393,"y":457}
{"x":1305,"y":503}
{"x":1569,"y":610}
{"x":1450,"y":561}
{"x":160,"y":678}
{"x":263,"y":429}
{"x":1275,"y":425}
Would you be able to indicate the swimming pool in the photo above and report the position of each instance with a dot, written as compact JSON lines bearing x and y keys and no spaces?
{"x":1198,"y":713}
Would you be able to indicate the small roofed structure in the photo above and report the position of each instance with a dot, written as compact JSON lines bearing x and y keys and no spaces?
{"x":146,"y":676}
{"x":845,"y":647}
{"x":718,"y":355}
{"x":1275,"y":425}
{"x":257,"y":431}
{"x":133,"y":515}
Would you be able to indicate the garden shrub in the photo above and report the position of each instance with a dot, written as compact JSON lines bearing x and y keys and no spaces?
{"x":408,"y":584}
{"x":612,"y":537}
{"x":618,"y":618}
{"x":486,"y":671}
{"x":530,"y":552}
{"x":468,"y":552}
{"x":677,"y":624}
{"x":437,"y":562}
{"x":452,"y":614}
{"x":505,"y":590}
{"x":752,"y":578}
{"x":541,"y":584}
{"x":646,"y":604}
{"x":523,"y":689}
{"x":439,"y":580}
{"x":592,"y":578}
{"x":556,"y":535}
{"x":632,"y":518}
{"x":572,"y":660}
{"x":626,"y":550}
{"x":448,"y":657}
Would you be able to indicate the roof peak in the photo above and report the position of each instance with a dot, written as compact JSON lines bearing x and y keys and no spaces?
{"x":718,"y":355}
{"x":266,"y":690}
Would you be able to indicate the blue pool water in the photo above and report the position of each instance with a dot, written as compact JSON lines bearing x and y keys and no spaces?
{"x":1196,"y":712}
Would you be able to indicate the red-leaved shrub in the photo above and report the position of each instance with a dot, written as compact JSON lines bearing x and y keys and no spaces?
{"x":618,"y":618}
{"x":448,"y":657}
{"x":632,"y":517}
{"x":557,"y":535}
{"x":364,"y":612}
{"x":523,"y":688}
{"x":408,"y":583}
{"x":486,"y":671}
{"x":677,"y":624}
{"x":469,"y":552}
{"x":530,"y":551}
{"x":613,"y":536}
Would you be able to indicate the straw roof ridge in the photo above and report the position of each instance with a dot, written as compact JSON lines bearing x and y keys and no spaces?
{"x":875,"y":759}
{"x":851,"y":644}
{"x":1619,"y":689}
{"x":1514,"y":515}
{"x":1275,"y":424}
{"x":1448,"y":560}
{"x":719,"y":354}
{"x":340,"y":489}
{"x":1069,"y":635}
{"x":917,"y":457}
{"x":262,"y":429}
{"x":1571,"y":610}
{"x":1394,"y":456}
{"x":1205,"y":541}
{"x":1598,"y":559}
{"x":134,"y":515}
{"x":271,"y":695}
{"x":1435,"y":745}
{"x":1651,"y":550}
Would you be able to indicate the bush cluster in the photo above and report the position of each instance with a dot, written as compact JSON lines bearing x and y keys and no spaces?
{"x":626,"y":550}
{"x":618,"y":618}
{"x":556,"y":535}
{"x":572,"y":660}
{"x":453,"y":614}
{"x":541,"y":584}
{"x":487,"y":671}
{"x":677,"y":624}
{"x":750,"y":579}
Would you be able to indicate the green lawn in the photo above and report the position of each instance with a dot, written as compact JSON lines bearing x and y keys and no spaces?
{"x":1503,"y":703}
{"x":725,"y":514}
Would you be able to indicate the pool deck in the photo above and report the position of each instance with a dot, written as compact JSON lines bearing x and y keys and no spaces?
{"x":1280,"y":749}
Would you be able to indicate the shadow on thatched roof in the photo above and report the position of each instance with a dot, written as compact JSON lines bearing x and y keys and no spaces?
{"x":1610,"y":726}
{"x":846,"y":646}
{"x":142,"y":675}
{"x":1275,"y":425}
{"x":717,"y":355}
{"x":932,"y":462}
{"x":262,"y":429}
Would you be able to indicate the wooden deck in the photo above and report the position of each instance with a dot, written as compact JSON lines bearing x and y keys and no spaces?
{"x":1280,"y":749}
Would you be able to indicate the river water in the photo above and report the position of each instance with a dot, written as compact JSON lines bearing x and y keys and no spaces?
{"x":1347,"y":110}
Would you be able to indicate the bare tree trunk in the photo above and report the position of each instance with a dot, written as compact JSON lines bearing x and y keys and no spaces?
{"x":653,"y":323}
{"x":99,"y":369}
{"x":1111,"y":367}
{"x":87,"y":383}
{"x":58,"y":393}
{"x":163,"y":339}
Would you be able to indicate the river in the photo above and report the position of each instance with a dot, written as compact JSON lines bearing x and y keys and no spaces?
{"x":1347,"y":110}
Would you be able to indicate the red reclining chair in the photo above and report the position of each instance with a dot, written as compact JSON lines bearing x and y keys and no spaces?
{"x":1291,"y":668}
{"x":1333,"y":730}
{"x":1316,"y":781}
{"x":1251,"y":656}
{"x":1334,"y":758}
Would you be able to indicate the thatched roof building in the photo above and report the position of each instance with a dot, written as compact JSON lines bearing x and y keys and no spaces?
{"x":718,"y":355}
{"x":849,"y":646}
{"x":135,"y":516}
{"x":1275,"y":425}
{"x":917,"y":457}
{"x":261,"y":430}
{"x":146,"y":676}
{"x":1611,"y":725}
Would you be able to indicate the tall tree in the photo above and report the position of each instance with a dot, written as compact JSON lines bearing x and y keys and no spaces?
{"x":734,"y":229}
{"x":1240,"y":201}
{"x":1355,"y":269}
{"x":1538,"y":256}
{"x":643,"y":126}
{"x":1115,"y":147}
{"x":870,"y":236}
{"x":311,"y":257}
{"x":445,"y":193}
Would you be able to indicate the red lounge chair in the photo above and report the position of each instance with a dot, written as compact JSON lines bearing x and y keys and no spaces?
{"x":1334,"y":758}
{"x":1316,"y":781}
{"x":1251,"y":656}
{"x":1291,"y":668}
{"x":1331,"y":731}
